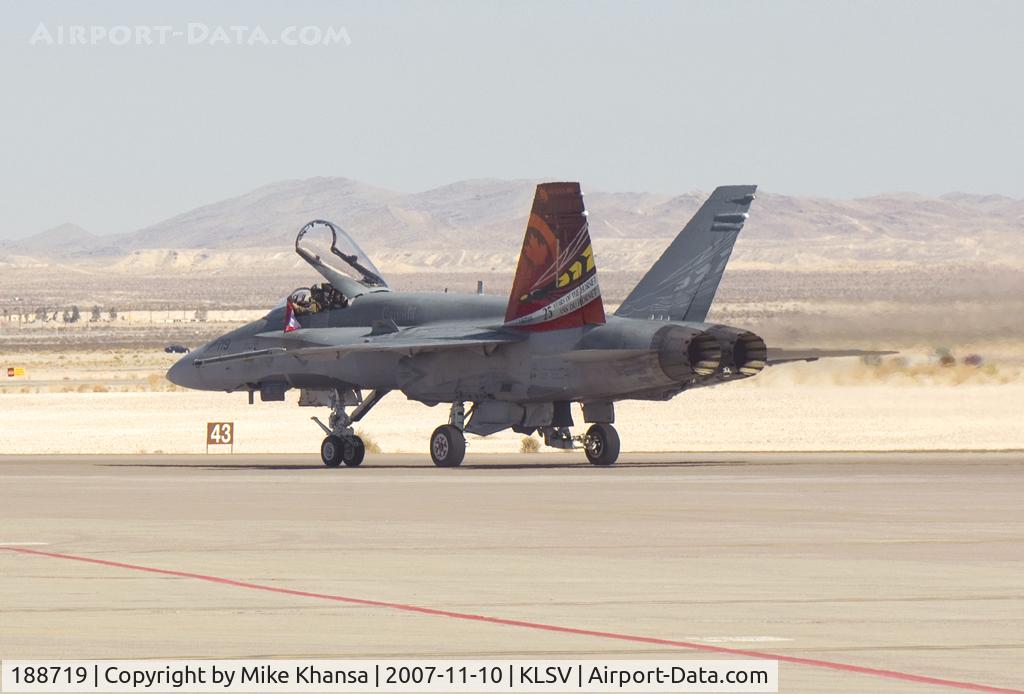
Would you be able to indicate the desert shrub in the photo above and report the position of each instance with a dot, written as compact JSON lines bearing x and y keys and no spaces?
{"x":528,"y":444}
{"x":368,"y":442}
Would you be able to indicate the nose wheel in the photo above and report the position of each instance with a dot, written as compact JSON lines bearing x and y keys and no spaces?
{"x":336,"y":450}
{"x":342,"y":445}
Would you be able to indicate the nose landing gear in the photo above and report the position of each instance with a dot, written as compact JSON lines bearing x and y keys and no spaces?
{"x":342,"y":445}
{"x":335,"y":450}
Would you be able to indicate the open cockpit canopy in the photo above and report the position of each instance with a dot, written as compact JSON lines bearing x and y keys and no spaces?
{"x":356,"y":274}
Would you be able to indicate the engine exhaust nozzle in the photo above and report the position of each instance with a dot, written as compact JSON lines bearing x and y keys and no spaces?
{"x":686,"y":352}
{"x":744,"y":354}
{"x":749,"y":354}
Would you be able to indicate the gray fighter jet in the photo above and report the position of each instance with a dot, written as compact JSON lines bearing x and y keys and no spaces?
{"x":520,"y":362}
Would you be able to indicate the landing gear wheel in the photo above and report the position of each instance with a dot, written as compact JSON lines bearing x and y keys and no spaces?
{"x":602,"y":444}
{"x":353,"y":452}
{"x":331,"y":451}
{"x":447,"y":446}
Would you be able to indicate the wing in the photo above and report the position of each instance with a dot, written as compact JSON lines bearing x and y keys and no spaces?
{"x":786,"y":356}
{"x":335,"y":343}
{"x":405,"y":345}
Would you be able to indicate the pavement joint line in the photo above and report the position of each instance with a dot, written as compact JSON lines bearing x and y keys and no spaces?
{"x":539,"y":626}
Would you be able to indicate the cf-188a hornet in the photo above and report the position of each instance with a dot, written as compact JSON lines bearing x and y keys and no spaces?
{"x":520,"y":363}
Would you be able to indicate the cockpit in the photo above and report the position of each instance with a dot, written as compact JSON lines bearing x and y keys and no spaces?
{"x":319,"y":297}
{"x":319,"y":242}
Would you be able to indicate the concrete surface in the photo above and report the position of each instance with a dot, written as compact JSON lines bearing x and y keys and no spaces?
{"x":907,"y":562}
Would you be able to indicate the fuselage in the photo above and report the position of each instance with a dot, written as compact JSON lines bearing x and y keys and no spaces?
{"x":623,"y":358}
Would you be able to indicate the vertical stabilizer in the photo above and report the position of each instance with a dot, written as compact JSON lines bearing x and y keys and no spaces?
{"x":556,"y":280}
{"x":682,"y":284}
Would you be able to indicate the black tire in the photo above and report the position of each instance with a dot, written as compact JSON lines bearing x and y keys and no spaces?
{"x":331,"y":450}
{"x":353,"y":452}
{"x":447,"y":446}
{"x":602,"y":444}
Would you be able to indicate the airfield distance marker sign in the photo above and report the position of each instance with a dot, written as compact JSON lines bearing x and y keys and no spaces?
{"x":220,"y":434}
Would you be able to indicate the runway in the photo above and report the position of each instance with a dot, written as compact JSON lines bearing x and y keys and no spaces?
{"x":894,"y":572}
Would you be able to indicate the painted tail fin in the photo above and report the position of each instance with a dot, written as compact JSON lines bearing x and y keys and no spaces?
{"x":556,"y":280}
{"x":682,"y":284}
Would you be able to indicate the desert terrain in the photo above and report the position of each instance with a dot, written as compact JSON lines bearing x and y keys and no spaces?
{"x":936,"y":279}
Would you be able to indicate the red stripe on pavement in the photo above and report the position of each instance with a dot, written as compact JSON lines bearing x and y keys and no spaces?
{"x":813,"y":662}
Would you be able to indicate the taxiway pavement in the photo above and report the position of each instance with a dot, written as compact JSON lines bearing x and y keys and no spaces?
{"x":906,"y":562}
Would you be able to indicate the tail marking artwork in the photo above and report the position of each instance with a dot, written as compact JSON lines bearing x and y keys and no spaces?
{"x":556,"y":281}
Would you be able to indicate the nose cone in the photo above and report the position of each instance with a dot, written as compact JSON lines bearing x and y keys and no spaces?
{"x":184,"y":373}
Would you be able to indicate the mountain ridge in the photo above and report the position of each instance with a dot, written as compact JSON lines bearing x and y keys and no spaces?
{"x":480,"y":222}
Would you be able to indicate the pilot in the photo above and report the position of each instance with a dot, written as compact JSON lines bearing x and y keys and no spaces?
{"x":317,"y":300}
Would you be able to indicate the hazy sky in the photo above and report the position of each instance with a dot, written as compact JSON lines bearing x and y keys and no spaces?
{"x":825,"y":98}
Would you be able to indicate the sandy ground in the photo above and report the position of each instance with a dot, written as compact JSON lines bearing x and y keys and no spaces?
{"x":118,"y":401}
{"x":772,"y":416}
{"x":905,"y":562}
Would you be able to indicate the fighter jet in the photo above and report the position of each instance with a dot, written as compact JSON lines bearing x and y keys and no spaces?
{"x":520,"y":363}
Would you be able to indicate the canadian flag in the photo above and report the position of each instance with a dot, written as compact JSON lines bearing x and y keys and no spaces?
{"x":290,"y":321}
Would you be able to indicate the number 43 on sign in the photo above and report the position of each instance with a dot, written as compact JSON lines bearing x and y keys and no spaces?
{"x":220,"y":434}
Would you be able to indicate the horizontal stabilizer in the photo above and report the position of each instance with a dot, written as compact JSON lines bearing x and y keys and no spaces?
{"x":786,"y":356}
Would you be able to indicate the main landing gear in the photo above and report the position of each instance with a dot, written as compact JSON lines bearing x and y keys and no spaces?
{"x":600,"y":443}
{"x":448,"y":443}
{"x":342,"y":445}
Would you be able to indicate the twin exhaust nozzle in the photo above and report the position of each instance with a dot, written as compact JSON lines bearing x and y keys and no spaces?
{"x":716,"y":353}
